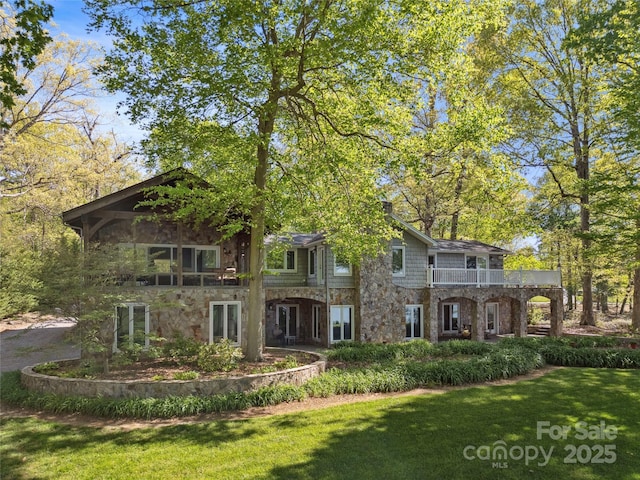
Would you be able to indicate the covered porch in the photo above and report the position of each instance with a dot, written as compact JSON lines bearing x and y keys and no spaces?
{"x":480,"y":314}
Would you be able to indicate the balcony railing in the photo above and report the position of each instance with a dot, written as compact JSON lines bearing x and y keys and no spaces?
{"x":437,"y":277}
{"x":217,"y":277}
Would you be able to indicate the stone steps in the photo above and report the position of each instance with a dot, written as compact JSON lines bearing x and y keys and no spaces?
{"x":540,"y":330}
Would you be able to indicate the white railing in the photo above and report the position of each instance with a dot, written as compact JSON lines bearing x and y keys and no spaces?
{"x":482,"y":278}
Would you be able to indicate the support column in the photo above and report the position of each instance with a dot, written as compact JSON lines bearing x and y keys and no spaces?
{"x":477,"y":321}
{"x":520,"y":318}
{"x":556,"y":316}
{"x":431,"y":308}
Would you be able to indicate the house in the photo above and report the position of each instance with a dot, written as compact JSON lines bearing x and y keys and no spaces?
{"x":177,"y":278}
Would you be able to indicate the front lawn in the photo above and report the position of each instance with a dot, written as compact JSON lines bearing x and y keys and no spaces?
{"x":415,"y":437}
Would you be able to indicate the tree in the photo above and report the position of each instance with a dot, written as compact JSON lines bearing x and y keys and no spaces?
{"x":85,"y":292}
{"x":452,"y":182}
{"x":301,"y":87}
{"x":22,"y":39}
{"x":616,"y":189}
{"x":612,"y":37}
{"x":558,"y":221}
{"x":557,"y":106}
{"x":53,"y":155}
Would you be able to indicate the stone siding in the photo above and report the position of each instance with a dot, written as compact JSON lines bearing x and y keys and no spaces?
{"x":381,"y":304}
{"x":185,"y":310}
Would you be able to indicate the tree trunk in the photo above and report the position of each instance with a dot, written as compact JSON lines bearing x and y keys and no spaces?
{"x":455,"y":217}
{"x":254,"y":344}
{"x":581,"y":151}
{"x":624,"y":304}
{"x":255,"y":337}
{"x":587,"y":317}
{"x":635,"y":309}
{"x":604,"y":302}
{"x":570,"y":298}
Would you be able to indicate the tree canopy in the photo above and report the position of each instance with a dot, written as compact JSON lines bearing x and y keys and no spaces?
{"x":22,"y":38}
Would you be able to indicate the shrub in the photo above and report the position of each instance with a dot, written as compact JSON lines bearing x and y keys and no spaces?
{"x":85,"y":369}
{"x":221,"y":356}
{"x":273,"y":395}
{"x":535,"y":316}
{"x":288,"y":362}
{"x":461,"y":347}
{"x":48,"y":368}
{"x":132,"y":350}
{"x":591,"y":357}
{"x":376,"y":352}
{"x":500,"y":363}
{"x":362,"y":352}
{"x":180,"y":349}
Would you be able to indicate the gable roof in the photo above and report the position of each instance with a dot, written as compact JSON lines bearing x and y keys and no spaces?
{"x":455,"y":246}
{"x":128,"y":195}
{"x":413,"y":231}
{"x":306,"y":240}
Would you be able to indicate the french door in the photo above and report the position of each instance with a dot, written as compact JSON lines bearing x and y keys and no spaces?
{"x":492,"y":318}
{"x":288,"y":320}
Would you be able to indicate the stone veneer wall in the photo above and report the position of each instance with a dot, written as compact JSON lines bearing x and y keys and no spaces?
{"x":381,"y":304}
{"x":160,"y":389}
{"x":186,"y":309}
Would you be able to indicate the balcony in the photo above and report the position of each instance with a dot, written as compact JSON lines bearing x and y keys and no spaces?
{"x":443,"y":277}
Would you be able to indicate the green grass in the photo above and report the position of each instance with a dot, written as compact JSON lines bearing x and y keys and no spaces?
{"x":414,"y":437}
{"x":539,"y":299}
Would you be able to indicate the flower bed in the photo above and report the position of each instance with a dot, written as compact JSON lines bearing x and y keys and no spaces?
{"x":166,"y":388}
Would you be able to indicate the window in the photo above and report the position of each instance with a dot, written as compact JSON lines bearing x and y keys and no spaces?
{"x":224,"y":321}
{"x":313,"y":255}
{"x":207,"y":259}
{"x":315,"y":322}
{"x":397,"y":261}
{"x":158,"y":264}
{"x":341,"y":323}
{"x":450,"y":317}
{"x":279,"y":261}
{"x":131,"y":325}
{"x":413,"y":321}
{"x":476,"y":262}
{"x":341,"y":268}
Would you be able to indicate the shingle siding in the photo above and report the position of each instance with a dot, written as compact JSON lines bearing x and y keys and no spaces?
{"x":450,"y":260}
{"x":337,"y":281}
{"x":287,"y":279}
{"x":415,"y":259}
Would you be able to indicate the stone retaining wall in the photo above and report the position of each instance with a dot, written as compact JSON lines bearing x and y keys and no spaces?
{"x":165,"y":388}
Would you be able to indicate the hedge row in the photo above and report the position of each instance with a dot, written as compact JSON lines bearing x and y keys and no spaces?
{"x":413,"y":350}
{"x":390,"y":368}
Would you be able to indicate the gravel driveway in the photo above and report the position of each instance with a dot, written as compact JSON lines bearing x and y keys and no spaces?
{"x":36,"y":343}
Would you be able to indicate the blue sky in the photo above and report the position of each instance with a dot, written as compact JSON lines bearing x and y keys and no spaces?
{"x":69,"y":19}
